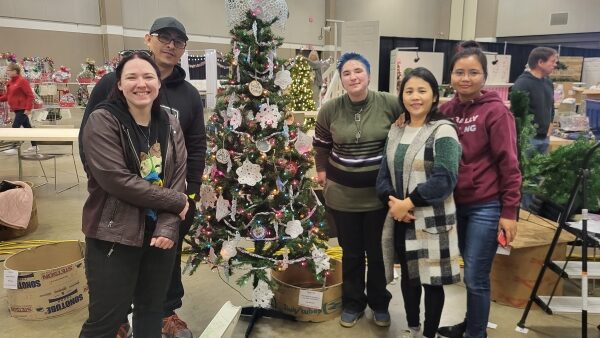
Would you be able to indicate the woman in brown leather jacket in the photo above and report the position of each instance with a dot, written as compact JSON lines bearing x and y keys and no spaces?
{"x":136,"y":163}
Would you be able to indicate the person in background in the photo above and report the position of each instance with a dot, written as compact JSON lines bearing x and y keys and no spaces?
{"x":489,"y":180}
{"x":417,"y":177}
{"x":20,"y":100}
{"x":136,"y":163}
{"x":537,"y":83}
{"x":166,"y":41}
{"x":349,"y":140}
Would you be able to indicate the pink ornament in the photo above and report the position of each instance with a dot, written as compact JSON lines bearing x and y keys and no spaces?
{"x":292,"y":167}
{"x":304,"y":264}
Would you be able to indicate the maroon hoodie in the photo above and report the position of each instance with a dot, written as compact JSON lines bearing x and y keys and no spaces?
{"x":489,"y":167}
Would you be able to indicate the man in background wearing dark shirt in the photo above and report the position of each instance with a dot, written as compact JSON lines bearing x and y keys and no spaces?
{"x":535,"y":81}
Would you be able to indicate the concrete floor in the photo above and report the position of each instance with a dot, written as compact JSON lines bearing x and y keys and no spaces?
{"x":59,"y":218}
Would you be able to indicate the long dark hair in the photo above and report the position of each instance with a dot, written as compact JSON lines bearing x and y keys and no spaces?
{"x":470,"y":48}
{"x":117,"y":95}
{"x":427,"y":76}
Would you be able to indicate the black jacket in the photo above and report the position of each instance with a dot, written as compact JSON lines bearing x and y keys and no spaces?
{"x":179,"y":98}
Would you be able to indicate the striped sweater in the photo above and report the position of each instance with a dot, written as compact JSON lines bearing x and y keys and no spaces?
{"x":352,"y":165}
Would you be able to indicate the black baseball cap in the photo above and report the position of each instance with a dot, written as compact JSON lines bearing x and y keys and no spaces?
{"x":168,"y":22}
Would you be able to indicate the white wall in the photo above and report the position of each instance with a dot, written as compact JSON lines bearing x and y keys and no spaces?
{"x":402,"y":18}
{"x":532,"y":17}
{"x":71,"y":11}
{"x":207,"y":17}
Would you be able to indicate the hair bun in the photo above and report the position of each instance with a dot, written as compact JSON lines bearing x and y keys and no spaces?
{"x":468,"y":44}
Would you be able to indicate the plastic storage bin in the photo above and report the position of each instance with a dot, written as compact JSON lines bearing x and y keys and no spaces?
{"x":592,"y":110}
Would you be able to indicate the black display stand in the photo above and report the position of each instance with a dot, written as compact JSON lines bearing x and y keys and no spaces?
{"x":580,"y":188}
{"x":257,"y":313}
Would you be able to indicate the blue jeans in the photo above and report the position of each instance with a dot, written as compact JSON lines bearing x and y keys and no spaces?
{"x":477,"y":231}
{"x":540,"y":145}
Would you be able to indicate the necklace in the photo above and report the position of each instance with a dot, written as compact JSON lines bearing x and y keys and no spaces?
{"x":358,"y":125}
{"x":144,"y":134}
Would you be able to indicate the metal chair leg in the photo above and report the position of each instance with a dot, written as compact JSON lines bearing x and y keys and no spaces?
{"x":43,"y":171}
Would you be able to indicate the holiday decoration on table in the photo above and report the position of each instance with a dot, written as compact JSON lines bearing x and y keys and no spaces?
{"x":36,"y":69}
{"x":258,"y":209}
{"x":300,"y":91}
{"x":88,"y":71}
{"x":8,"y":57}
{"x":83,"y":95}
{"x":66,"y":99}
{"x":62,"y":75}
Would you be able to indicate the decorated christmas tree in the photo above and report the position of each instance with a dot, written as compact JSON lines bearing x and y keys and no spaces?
{"x":257,"y":208}
{"x":300,"y":91}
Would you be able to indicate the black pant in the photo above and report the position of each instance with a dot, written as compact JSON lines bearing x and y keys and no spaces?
{"x":360,"y":233}
{"x":175,"y":291}
{"x":22,"y":120}
{"x":411,"y":292}
{"x":118,"y":278}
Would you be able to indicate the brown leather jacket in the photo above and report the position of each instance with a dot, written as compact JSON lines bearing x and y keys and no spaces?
{"x":114,"y":210}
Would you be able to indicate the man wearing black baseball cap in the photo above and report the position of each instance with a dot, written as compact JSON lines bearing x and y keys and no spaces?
{"x":166,"y":41}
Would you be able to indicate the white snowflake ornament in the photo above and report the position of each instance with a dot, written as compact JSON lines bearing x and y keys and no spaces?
{"x":268,"y":116}
{"x":222,"y":208}
{"x":283,"y":79}
{"x":249,"y":173}
{"x":303,"y":143}
{"x":224,"y":157}
{"x":294,"y":228}
{"x":235,"y":117}
{"x":208,"y":197}
{"x":262,"y":295}
{"x":265,"y":10}
{"x":320,"y":259}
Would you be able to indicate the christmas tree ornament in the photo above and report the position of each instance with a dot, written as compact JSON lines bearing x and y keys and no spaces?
{"x":235,"y":118}
{"x":303,"y":143}
{"x":262,"y":295}
{"x":265,"y":10}
{"x":255,"y":88}
{"x":249,"y":173}
{"x":294,"y":228}
{"x":228,"y":250}
{"x":233,"y":209}
{"x":268,"y":116}
{"x":283,"y":78}
{"x":258,"y":232}
{"x":320,"y":259}
{"x":222,"y":208}
{"x":263,"y":145}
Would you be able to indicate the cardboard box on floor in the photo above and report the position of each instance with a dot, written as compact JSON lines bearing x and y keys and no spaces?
{"x":514,"y":276}
{"x":51,"y":281}
{"x":296,"y":283}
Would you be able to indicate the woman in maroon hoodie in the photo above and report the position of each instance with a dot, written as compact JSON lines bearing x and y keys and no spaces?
{"x":488,"y":190}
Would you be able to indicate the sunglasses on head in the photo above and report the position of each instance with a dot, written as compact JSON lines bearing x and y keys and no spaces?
{"x":129,"y":52}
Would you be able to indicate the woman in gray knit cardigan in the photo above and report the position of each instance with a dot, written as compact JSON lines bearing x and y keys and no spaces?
{"x":416,"y":180}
